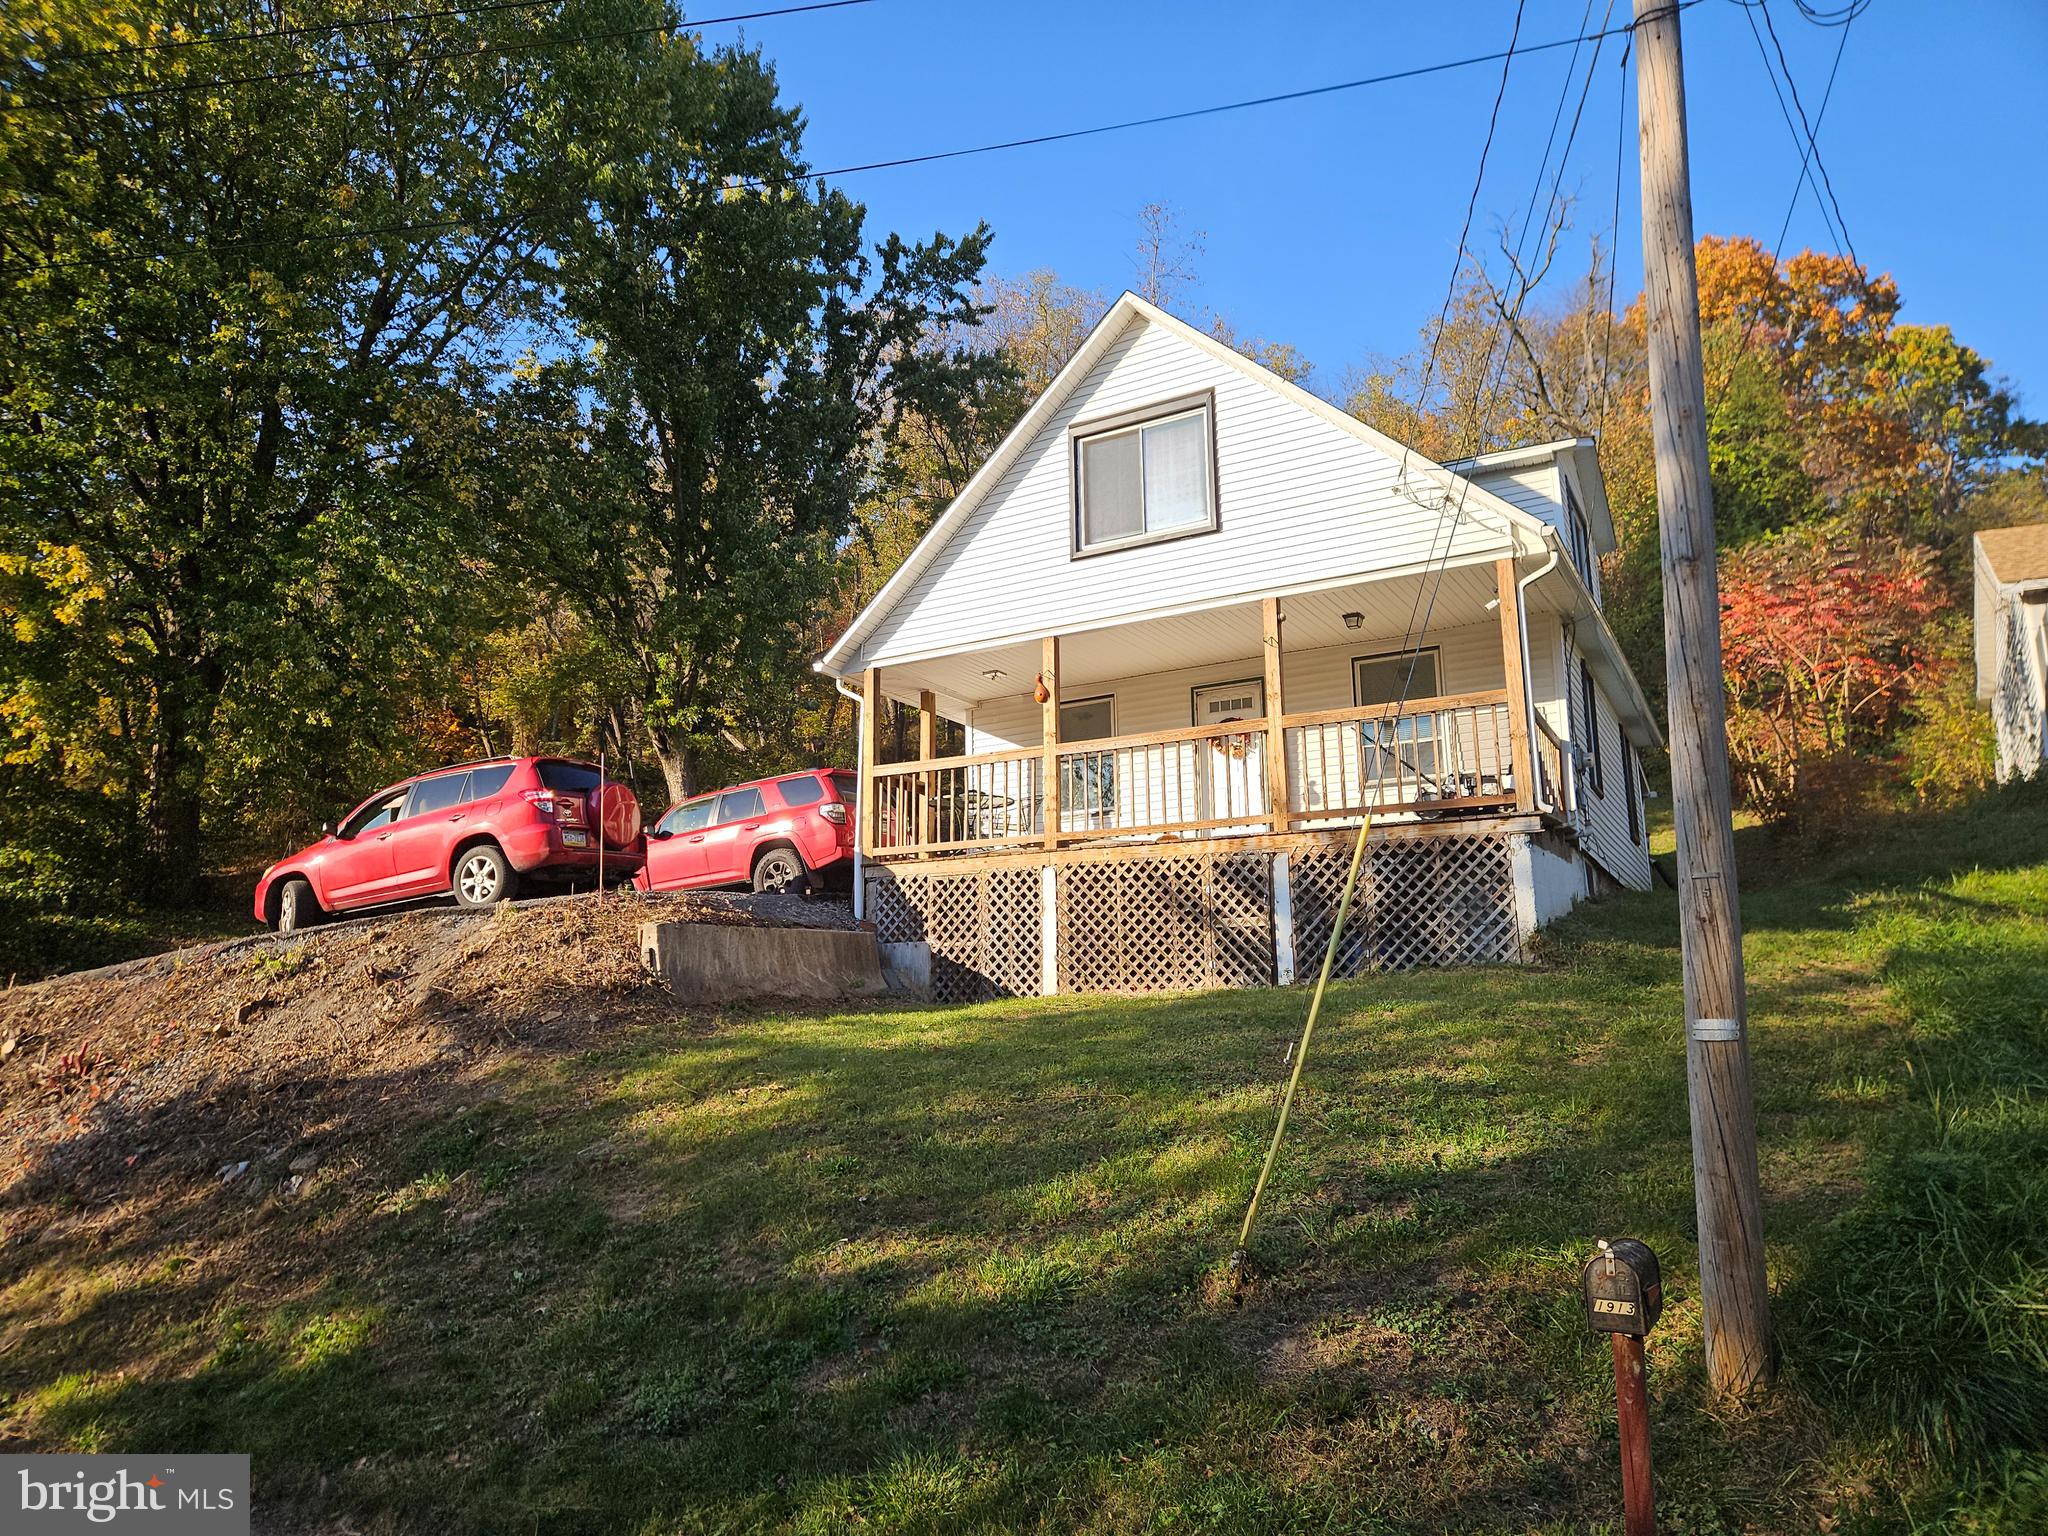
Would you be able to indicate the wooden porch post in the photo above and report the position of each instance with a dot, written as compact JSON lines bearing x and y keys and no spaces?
{"x":1518,"y":692}
{"x":1276,"y":733}
{"x":1049,"y":714}
{"x":927,"y":783}
{"x":870,"y":757}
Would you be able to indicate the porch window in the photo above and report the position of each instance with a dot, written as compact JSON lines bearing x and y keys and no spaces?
{"x":1399,"y":756}
{"x":1140,"y":480}
{"x":1087,"y":779}
{"x":1384,"y":679}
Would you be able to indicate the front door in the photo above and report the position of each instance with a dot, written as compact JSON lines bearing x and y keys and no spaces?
{"x":1230,"y":769}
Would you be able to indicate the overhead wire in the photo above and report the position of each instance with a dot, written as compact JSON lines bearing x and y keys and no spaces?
{"x":1803,"y":144}
{"x":758,"y":184}
{"x":1799,"y":184}
{"x":311,"y":29}
{"x":1811,"y":130}
{"x":1614,"y":234}
{"x":1414,"y":632}
{"x":358,"y":66}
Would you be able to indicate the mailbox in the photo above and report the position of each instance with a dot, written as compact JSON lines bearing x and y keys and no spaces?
{"x":1624,"y":1292}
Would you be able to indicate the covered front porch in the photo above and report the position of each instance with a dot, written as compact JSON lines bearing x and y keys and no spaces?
{"x":1299,"y":712}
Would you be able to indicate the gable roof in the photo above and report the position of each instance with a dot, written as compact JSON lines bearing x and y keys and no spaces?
{"x":1582,"y":453}
{"x":1120,"y":315}
{"x":2015,"y":554}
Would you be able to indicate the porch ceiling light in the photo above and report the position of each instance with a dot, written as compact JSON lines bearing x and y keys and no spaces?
{"x":1354,"y":621}
{"x":995,"y":674}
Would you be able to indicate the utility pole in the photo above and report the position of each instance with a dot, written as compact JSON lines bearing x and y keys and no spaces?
{"x":1734,"y":1291}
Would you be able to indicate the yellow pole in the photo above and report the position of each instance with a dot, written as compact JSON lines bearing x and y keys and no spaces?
{"x":1315,"y":1008}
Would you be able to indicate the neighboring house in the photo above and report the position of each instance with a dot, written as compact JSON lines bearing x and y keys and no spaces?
{"x":2012,"y":642}
{"x":1177,"y":614}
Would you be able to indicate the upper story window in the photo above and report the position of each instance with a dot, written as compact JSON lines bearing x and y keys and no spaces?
{"x":1145,"y":476}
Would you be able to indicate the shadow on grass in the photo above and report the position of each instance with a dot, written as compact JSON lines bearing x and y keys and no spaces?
{"x":928,"y":1268}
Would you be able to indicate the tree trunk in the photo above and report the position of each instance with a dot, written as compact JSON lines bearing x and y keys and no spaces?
{"x":171,"y":797}
{"x":678,"y":759}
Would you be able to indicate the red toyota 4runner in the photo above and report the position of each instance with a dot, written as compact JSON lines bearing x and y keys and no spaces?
{"x":477,"y":830}
{"x":793,"y":833}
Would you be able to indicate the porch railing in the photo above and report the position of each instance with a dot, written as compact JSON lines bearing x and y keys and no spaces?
{"x":1553,"y":783}
{"x":1435,"y":757}
{"x":989,"y":800}
{"x":1204,"y":779}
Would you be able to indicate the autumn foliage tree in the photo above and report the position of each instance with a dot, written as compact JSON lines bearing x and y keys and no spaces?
{"x":1825,"y":640}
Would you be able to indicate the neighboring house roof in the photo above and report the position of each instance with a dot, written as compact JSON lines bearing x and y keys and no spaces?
{"x":2015,"y":554}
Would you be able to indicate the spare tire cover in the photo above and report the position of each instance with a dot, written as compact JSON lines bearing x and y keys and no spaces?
{"x":616,"y":810}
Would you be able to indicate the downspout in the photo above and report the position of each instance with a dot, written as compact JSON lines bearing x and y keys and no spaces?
{"x":1528,"y":677}
{"x":860,"y":766}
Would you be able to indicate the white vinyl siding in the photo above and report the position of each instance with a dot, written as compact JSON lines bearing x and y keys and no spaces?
{"x":1298,"y":497}
{"x":1603,"y":817}
{"x":1540,"y":491}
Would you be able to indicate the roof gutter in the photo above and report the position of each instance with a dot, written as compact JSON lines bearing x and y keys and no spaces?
{"x":860,"y":768}
{"x":1528,"y":677}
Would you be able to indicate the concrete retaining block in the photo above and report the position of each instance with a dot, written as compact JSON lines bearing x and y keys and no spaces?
{"x":907,"y":967}
{"x":729,"y":963}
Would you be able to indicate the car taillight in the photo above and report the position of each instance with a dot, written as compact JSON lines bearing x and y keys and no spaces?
{"x":542,"y":800}
{"x":833,"y":812}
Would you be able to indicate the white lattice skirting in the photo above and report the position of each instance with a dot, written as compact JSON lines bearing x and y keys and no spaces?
{"x":1144,"y":920}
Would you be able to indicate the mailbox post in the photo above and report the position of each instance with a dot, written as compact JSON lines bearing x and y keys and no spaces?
{"x":1624,"y":1294}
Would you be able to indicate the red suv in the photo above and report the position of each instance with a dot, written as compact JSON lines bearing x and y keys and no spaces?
{"x":793,"y":833}
{"x":477,"y":830}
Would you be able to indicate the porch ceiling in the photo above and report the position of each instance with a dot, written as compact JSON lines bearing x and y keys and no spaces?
{"x":1390,"y":610}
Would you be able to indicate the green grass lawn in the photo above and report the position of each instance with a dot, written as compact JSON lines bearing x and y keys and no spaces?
{"x":924,"y":1269}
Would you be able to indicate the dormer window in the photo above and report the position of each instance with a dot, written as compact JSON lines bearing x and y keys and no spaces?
{"x":1145,"y":476}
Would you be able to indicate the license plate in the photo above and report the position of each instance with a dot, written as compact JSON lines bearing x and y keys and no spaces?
{"x":575,"y":839}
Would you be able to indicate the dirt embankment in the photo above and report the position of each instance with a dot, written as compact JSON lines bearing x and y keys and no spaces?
{"x":237,"y":1062}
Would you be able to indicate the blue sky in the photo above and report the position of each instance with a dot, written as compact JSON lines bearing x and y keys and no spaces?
{"x":1331,"y":223}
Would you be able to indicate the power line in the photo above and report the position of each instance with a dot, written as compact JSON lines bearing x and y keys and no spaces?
{"x":1557,"y":116}
{"x":315,"y":29}
{"x":357,"y":66}
{"x":1802,"y":143}
{"x":1840,"y":16}
{"x":756,"y":184}
{"x":1812,"y":143}
{"x":1465,"y":235}
{"x":1614,"y":233}
{"x":1228,"y":106}
{"x":1343,"y":913}
{"x":1784,"y":225}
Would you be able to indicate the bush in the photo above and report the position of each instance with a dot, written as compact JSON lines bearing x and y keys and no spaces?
{"x":1949,"y":748}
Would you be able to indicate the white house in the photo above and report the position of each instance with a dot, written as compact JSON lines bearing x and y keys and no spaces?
{"x":1197,"y":624}
{"x":2012,"y":642}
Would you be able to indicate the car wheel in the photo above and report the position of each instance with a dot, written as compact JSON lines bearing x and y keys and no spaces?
{"x":781,"y":871}
{"x":483,"y":877}
{"x":297,"y":908}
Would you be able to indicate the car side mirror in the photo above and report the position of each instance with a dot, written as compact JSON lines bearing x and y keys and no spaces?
{"x":661,"y":834}
{"x":327,"y":829}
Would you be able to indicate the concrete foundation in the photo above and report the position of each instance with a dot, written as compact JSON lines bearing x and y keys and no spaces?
{"x":730,"y":963}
